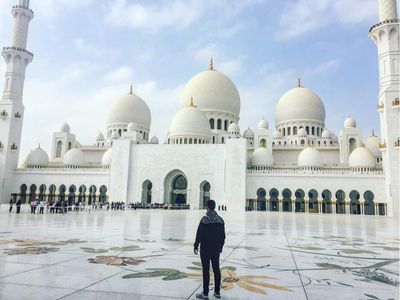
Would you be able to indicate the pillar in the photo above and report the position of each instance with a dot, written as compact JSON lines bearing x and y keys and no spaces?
{"x":280,"y":204}
{"x":333,"y":203}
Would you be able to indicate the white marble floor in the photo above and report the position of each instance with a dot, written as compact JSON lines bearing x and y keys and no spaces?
{"x":149,"y":255}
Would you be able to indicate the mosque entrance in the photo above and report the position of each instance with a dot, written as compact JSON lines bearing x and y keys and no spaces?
{"x":175,"y":188}
{"x":205,"y":194}
{"x":147,"y":191}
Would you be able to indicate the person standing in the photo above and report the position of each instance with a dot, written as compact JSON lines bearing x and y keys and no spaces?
{"x":211,"y":238}
{"x":19,"y":205}
{"x":11,"y":205}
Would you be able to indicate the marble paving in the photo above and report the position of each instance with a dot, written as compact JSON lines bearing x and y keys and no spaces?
{"x":148,"y":254}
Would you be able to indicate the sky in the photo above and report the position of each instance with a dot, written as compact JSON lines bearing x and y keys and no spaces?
{"x":88,"y":52}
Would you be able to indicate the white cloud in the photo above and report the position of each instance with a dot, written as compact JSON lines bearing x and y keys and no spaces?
{"x":325,"y":66}
{"x":306,"y":16}
{"x":121,"y":74}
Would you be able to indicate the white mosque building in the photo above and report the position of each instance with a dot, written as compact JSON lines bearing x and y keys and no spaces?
{"x":298,"y":166}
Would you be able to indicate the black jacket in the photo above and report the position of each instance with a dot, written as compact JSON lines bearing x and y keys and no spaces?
{"x":210,"y":233}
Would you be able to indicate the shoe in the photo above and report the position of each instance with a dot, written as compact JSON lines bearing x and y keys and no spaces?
{"x":201,"y":296}
{"x":217,"y":295}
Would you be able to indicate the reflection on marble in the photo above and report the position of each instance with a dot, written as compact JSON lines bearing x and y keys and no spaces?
{"x":149,"y":255}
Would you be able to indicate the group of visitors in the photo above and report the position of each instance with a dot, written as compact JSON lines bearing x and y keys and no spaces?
{"x":117,"y":205}
{"x":18,"y":204}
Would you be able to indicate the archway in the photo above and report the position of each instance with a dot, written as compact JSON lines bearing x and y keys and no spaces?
{"x":61,"y":190}
{"x":42,"y":192}
{"x":52,"y":194}
{"x":340,"y":204}
{"x":71,"y":195}
{"x":205,"y":195}
{"x":82,"y":194}
{"x":175,"y":188}
{"x":261,"y":200}
{"x":352,"y":145}
{"x":369,"y":204}
{"x":92,"y":195}
{"x":147,"y":187}
{"x":103,"y":194}
{"x":355,"y":206}
{"x":274,"y":204}
{"x":23,"y":190}
{"x":313,"y":201}
{"x":300,"y":203}
{"x":287,"y":202}
{"x":32,"y":192}
{"x":326,"y":203}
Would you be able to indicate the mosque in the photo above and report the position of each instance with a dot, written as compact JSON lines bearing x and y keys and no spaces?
{"x":297,"y":166}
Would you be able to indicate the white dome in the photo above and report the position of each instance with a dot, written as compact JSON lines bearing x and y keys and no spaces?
{"x":132,"y":127}
{"x":302,"y":132}
{"x":74,"y":158}
{"x":100,"y":137}
{"x":106,"y":160}
{"x":212,"y":91}
{"x":349,"y":123}
{"x":300,"y":103}
{"x":114,"y":135}
{"x":154,"y":140}
{"x":262,"y":157}
{"x":326,"y":134}
{"x":22,"y":162}
{"x":234,"y":128}
{"x":65,"y":128}
{"x":248,"y":133}
{"x":263,"y":124}
{"x":277,"y":134}
{"x":37,"y":158}
{"x":361,"y":158}
{"x":190,"y":121}
{"x":309,"y":157}
{"x":372,"y":145}
{"x":129,"y":108}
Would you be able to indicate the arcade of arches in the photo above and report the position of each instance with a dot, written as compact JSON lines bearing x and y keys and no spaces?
{"x":327,"y":202}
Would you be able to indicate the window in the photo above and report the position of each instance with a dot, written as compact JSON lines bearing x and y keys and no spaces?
{"x":212,"y":123}
{"x":58,"y":149}
{"x":219,"y":124}
{"x":226,"y":125}
{"x":294,"y":130}
{"x":288,"y":131}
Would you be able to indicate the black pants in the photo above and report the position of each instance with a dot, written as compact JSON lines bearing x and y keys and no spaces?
{"x":205,"y":261}
{"x":11,"y":207}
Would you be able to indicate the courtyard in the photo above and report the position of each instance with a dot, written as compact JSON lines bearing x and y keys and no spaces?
{"x":148,"y":254}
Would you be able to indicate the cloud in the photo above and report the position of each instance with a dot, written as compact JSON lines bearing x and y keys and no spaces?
{"x":325,"y":66}
{"x":307,"y":16}
{"x":121,"y":74}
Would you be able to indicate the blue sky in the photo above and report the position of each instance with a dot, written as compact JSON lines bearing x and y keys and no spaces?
{"x":87,"y":52}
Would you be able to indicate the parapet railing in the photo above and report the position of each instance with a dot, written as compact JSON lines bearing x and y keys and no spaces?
{"x":315,"y":171}
{"x":18,"y":49}
{"x":384,"y":22}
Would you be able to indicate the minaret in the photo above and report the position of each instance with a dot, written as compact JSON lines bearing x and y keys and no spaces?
{"x":385,"y":35}
{"x":11,"y":108}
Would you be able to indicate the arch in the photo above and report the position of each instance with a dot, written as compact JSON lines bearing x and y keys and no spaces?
{"x":69,"y":145}
{"x":294,"y":130}
{"x":300,"y":203}
{"x":147,"y":188}
{"x":313,"y":130}
{"x":274,"y":202}
{"x":313,"y":201}
{"x":205,"y":193}
{"x":23,"y":188}
{"x":92,"y":195}
{"x":42,"y":192}
{"x":103,"y":194}
{"x":369,"y":204}
{"x":175,"y":187}
{"x":226,"y":125}
{"x":32,"y":192}
{"x":308,"y":130}
{"x":287,"y":202}
{"x":261,"y":200}
{"x":326,"y":201}
{"x":61,"y":192}
{"x":219,"y":124}
{"x":288,"y":131}
{"x":222,"y":140}
{"x":52,"y":194}
{"x":355,"y":206}
{"x":284,"y":132}
{"x":71,"y":195}
{"x":212,"y":123}
{"x":263,"y":143}
{"x":340,"y":196}
{"x":58,"y":149}
{"x":82,"y":194}
{"x":352,"y":145}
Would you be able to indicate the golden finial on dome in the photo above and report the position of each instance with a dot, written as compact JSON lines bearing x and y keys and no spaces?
{"x":211,"y":64}
{"x":191,"y":102}
{"x":131,"y":89}
{"x":299,"y":82}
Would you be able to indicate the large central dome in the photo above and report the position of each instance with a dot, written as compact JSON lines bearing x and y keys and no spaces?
{"x":213,"y":91}
{"x":300,"y":104}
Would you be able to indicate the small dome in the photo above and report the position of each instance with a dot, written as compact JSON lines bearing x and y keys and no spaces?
{"x":74,"y":158}
{"x":22,"y":162}
{"x":154,"y":140}
{"x":277,"y":134}
{"x":213,"y":91}
{"x":309,"y":157}
{"x":261,"y":157}
{"x":372,"y":144}
{"x":114,"y":135}
{"x":106,"y":160}
{"x":302,"y":132}
{"x":263,"y":124}
{"x":65,"y":128}
{"x":129,"y":108}
{"x":300,"y":103}
{"x":100,"y":137}
{"x":132,"y":127}
{"x":191,"y":122}
{"x":326,"y":134}
{"x":248,"y":133}
{"x":349,"y":123}
{"x":361,"y":158}
{"x":234,"y":128}
{"x":37,"y":158}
